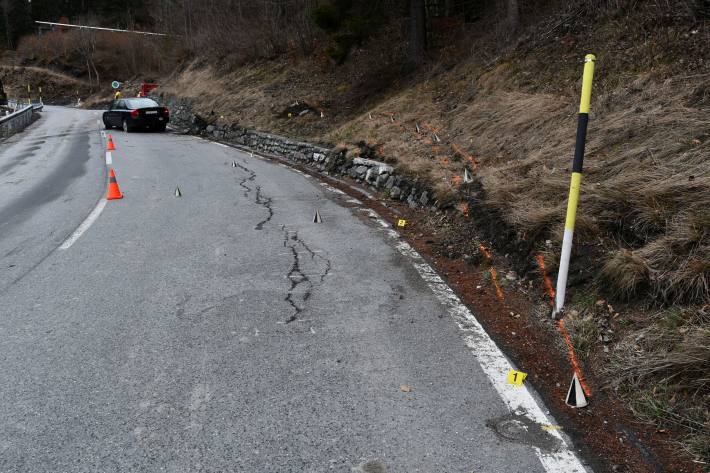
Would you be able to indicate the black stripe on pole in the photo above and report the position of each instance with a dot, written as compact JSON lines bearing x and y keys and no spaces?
{"x":112,"y":180}
{"x":583,"y":119}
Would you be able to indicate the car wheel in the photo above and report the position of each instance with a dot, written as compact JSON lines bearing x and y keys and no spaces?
{"x":160,"y":128}
{"x":107,"y":126}
{"x":126,"y":128}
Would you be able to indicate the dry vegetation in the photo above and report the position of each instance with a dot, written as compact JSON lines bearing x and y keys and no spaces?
{"x":662,"y":370}
{"x":56,"y":87}
{"x":99,"y":57}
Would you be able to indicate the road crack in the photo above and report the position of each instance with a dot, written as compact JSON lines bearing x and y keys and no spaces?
{"x":302,"y":269}
{"x":250,"y":177}
{"x":260,"y":198}
{"x":307,"y":265}
{"x":266,"y":202}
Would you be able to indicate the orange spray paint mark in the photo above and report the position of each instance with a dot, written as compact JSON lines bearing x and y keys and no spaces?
{"x":572,"y":357}
{"x":546,"y":279}
{"x":485,"y":252}
{"x":456,"y":180}
{"x":431,"y":128}
{"x":494,"y":278}
{"x":458,"y":150}
{"x":463,"y":207}
{"x":444,"y":161}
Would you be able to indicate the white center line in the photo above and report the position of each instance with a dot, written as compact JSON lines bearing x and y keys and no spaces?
{"x":84,"y":225}
{"x":109,"y":158}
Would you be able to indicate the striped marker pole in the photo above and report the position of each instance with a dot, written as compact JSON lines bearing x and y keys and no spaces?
{"x":583,"y":119}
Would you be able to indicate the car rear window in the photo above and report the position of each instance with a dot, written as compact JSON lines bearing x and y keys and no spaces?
{"x":141,"y":103}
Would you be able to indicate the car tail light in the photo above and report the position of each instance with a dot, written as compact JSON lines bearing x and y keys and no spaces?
{"x":134,"y":113}
{"x":166,"y":111}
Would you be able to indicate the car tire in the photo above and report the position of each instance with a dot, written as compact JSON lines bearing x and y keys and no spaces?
{"x":126,"y":127}
{"x":160,"y":128}
{"x":107,"y":126}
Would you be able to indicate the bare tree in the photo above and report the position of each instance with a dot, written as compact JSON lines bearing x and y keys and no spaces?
{"x":417,"y":31}
{"x":512,"y":14}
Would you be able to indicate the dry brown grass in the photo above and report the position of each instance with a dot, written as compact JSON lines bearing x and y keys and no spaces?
{"x":663,"y":370}
{"x":626,"y":272}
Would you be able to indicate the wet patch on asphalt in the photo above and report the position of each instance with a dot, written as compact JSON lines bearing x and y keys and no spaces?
{"x":521,"y":429}
{"x":52,"y":186}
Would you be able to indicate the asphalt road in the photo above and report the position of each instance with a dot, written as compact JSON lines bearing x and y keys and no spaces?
{"x":222,"y":330}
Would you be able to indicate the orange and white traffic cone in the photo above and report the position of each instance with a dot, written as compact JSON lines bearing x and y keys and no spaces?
{"x":110,"y":146}
{"x":113,"y":191}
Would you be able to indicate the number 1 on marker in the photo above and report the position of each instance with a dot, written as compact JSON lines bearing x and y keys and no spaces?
{"x":516,"y":377}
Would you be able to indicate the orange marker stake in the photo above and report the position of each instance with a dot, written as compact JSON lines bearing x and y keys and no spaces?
{"x":572,"y":357}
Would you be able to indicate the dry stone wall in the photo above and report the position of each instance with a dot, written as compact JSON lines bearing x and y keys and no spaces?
{"x":378,"y":175}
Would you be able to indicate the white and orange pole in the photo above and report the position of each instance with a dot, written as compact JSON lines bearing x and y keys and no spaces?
{"x":583,"y":120}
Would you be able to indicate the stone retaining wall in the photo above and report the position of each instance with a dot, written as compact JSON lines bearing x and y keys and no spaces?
{"x":332,"y":161}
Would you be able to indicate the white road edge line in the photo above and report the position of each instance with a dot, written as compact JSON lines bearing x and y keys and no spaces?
{"x":109,"y":158}
{"x":88,"y":221}
{"x":491,"y":359}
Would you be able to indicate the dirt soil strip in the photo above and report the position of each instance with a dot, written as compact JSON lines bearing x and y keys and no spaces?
{"x":606,"y":433}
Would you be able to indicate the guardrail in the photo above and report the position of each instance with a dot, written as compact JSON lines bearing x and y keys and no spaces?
{"x":17,"y":121}
{"x":17,"y":104}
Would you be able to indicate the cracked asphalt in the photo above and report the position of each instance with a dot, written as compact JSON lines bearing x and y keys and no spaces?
{"x":222,"y":331}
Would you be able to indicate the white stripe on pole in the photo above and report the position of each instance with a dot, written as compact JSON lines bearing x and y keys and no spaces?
{"x":564,"y":269}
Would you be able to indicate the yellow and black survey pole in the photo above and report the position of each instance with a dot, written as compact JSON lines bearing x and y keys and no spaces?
{"x":583,"y":119}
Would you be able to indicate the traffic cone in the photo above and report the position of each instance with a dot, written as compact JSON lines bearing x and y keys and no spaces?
{"x":110,"y":146}
{"x":113,"y":191}
{"x":177,"y":192}
{"x":575,"y":395}
{"x":317,"y":218}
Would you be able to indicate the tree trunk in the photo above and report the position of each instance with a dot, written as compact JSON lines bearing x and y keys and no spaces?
{"x":513,"y":14}
{"x":417,"y":31}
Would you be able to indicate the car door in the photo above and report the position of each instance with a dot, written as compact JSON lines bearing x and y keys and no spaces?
{"x":120,"y":112}
{"x":110,"y":114}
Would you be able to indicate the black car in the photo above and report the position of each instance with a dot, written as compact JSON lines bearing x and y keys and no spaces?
{"x":135,"y":114}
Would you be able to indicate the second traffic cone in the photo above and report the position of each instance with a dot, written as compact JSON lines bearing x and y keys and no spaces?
{"x":113,"y":191}
{"x":575,"y":395}
{"x":317,"y":218}
{"x":177,"y":192}
{"x":110,"y":146}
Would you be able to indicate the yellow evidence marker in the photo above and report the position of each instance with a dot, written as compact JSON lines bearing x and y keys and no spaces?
{"x":401,"y":222}
{"x":516,"y":377}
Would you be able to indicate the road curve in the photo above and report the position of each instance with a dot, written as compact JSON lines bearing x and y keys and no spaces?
{"x":222,"y":330}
